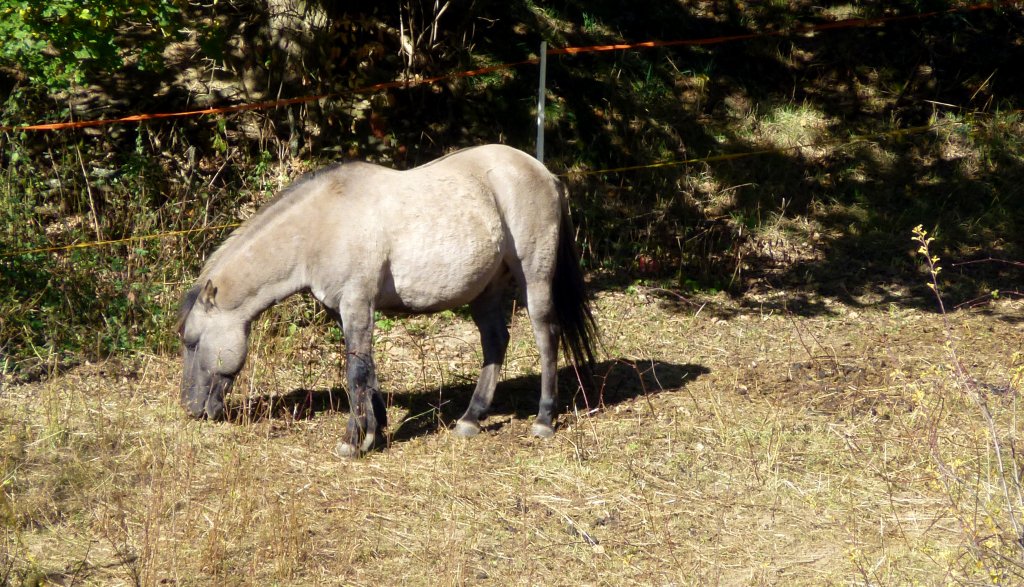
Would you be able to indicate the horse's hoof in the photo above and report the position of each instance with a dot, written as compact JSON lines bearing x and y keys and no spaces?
{"x":542,"y":430}
{"x":374,"y":442}
{"x":346,"y":451}
{"x":466,"y":429}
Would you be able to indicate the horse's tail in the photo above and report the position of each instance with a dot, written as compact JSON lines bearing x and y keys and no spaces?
{"x":579,"y":333}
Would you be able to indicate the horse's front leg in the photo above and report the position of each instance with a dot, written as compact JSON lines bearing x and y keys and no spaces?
{"x":368,"y":414}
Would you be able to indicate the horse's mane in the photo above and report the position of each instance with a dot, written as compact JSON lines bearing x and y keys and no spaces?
{"x":284,"y":200}
{"x":187,"y":302}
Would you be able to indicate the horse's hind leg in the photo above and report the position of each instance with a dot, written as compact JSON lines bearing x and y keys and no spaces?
{"x":368,"y":415}
{"x":545,"y":330}
{"x":489,"y":315}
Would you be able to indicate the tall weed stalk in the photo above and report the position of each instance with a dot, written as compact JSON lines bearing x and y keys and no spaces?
{"x":992,"y":527}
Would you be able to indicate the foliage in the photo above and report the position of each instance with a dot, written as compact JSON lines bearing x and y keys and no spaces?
{"x":818,"y":209}
{"x":59,"y":42}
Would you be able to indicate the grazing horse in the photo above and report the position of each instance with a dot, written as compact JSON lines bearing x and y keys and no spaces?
{"x":362,"y":238}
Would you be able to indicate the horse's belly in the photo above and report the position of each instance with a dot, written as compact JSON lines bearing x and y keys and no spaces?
{"x":444,"y":267}
{"x":433,"y":283}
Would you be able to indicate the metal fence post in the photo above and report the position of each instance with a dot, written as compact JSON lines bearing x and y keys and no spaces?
{"x":540,"y":99}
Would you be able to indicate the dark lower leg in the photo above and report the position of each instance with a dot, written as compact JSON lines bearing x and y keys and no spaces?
{"x":368,"y":414}
{"x":490,"y":319}
{"x":546,"y":334}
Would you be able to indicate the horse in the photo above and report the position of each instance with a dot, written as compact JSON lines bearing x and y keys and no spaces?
{"x":467,"y":228}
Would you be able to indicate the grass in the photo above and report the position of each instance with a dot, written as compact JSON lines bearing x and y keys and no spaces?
{"x":793,"y":127}
{"x":820,"y":423}
{"x":760,"y":448}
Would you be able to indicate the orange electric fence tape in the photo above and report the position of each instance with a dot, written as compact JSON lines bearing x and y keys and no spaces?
{"x":267,"y":105}
{"x":264,"y":105}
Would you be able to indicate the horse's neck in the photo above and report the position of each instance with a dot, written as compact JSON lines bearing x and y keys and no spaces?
{"x":249,"y":284}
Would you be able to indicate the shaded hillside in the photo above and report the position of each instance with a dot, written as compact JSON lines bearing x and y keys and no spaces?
{"x":827,"y":212}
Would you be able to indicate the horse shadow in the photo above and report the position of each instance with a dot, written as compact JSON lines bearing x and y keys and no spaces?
{"x":429,"y":410}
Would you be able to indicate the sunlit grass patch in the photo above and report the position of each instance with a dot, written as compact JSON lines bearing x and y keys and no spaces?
{"x":799,"y":128}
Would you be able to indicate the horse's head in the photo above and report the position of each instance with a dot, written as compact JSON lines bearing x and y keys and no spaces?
{"x":215,"y":344}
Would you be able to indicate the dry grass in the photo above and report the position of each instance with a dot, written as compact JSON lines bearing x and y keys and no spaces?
{"x":739,"y":443}
{"x":761,"y":448}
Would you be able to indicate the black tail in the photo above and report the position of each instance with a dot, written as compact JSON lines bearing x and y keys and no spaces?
{"x":572,"y":304}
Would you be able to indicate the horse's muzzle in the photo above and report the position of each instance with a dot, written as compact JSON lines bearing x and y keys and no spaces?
{"x":206,"y":401}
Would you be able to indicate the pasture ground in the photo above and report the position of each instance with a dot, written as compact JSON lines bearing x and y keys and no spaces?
{"x":738,"y":444}
{"x":825,"y":426}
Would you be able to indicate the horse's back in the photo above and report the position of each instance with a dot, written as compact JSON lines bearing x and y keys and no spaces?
{"x":526,"y":195}
{"x":528,"y":199}
{"x":511,"y":173}
{"x":436,"y":236}
{"x":496,"y":184}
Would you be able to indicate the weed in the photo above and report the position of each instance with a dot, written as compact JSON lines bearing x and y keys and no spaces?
{"x":988,"y":503}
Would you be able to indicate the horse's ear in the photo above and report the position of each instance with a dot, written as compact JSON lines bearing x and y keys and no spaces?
{"x":208,"y":295}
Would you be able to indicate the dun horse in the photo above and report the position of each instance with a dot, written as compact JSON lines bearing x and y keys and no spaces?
{"x":463,"y":229}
